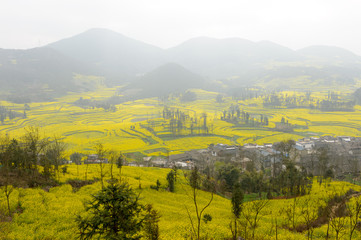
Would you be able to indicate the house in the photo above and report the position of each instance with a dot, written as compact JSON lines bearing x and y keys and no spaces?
{"x":223,"y":150}
{"x":344,"y":138}
{"x":268,"y":145}
{"x":159,"y":162}
{"x":93,"y":159}
{"x":250,"y":145}
{"x":183,"y":165}
{"x":304,"y":145}
{"x":133,"y":164}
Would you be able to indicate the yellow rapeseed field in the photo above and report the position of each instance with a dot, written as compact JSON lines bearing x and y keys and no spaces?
{"x":125,"y":128}
{"x":51,"y":215}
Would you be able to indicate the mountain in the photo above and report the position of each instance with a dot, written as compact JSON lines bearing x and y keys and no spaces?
{"x":315,"y":65}
{"x":49,"y":71}
{"x":223,"y":58}
{"x":37,"y":73}
{"x":116,"y":56}
{"x":165,"y":79}
{"x":330,"y":53}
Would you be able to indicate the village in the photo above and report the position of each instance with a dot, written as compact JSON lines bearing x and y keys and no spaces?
{"x":341,"y":154}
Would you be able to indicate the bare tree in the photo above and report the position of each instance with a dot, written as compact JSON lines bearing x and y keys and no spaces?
{"x":354,"y":211}
{"x":251,"y":213}
{"x":86,"y":172}
{"x":338,"y":224}
{"x":113,"y":157}
{"x":120,"y":163}
{"x":291,"y":213}
{"x":8,"y":189}
{"x":195,"y":181}
{"x":101,"y":152}
{"x":76,"y":158}
{"x":309,"y":214}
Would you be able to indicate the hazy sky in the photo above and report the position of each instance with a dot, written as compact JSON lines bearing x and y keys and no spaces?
{"x":166,"y":23}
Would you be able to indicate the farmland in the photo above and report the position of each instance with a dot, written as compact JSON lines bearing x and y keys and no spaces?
{"x":138,"y":126}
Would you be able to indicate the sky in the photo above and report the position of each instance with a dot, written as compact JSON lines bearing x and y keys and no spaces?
{"x":167,"y":23}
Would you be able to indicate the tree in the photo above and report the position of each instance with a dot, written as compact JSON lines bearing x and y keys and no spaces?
{"x":252,"y":213}
{"x":120,"y":163}
{"x":55,"y":152}
{"x":205,"y":128}
{"x":237,"y":202}
{"x":338,"y":224}
{"x":8,"y":189}
{"x":286,"y":148}
{"x":113,"y":160}
{"x":101,"y":152}
{"x":113,"y":213}
{"x":291,"y":213}
{"x":34,"y":145}
{"x":195,"y":181}
{"x":323,"y":160}
{"x":150,"y":225}
{"x":354,"y":211}
{"x":171,"y":180}
{"x":76,"y":158}
{"x":309,"y":214}
{"x":230,"y":175}
{"x":219,"y":98}
{"x":158,"y":185}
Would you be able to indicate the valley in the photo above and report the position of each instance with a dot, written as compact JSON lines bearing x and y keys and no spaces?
{"x":139,"y":126}
{"x":211,"y":124}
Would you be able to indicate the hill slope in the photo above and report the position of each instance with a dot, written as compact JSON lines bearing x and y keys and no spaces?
{"x":330,"y":53}
{"x":61,"y":205}
{"x":48,"y":72}
{"x":37,"y":74}
{"x":166,"y":79}
{"x":222,"y":58}
{"x":117,"y":56}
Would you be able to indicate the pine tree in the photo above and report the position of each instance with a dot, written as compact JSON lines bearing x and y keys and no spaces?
{"x":113,"y":213}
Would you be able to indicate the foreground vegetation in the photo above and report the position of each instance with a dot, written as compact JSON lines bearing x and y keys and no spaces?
{"x":39,"y":214}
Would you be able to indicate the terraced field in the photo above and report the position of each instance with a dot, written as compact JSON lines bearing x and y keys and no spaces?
{"x":126,"y":128}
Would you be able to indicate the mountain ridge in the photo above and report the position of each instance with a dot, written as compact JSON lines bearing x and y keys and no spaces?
{"x":120,"y":59}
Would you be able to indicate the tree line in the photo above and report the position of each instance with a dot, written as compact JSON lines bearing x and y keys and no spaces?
{"x":6,"y":113}
{"x":181,"y":123}
{"x":332,"y":102}
{"x":235,"y":115}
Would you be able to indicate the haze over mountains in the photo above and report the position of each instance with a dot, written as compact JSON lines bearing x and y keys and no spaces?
{"x":119,"y":59}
